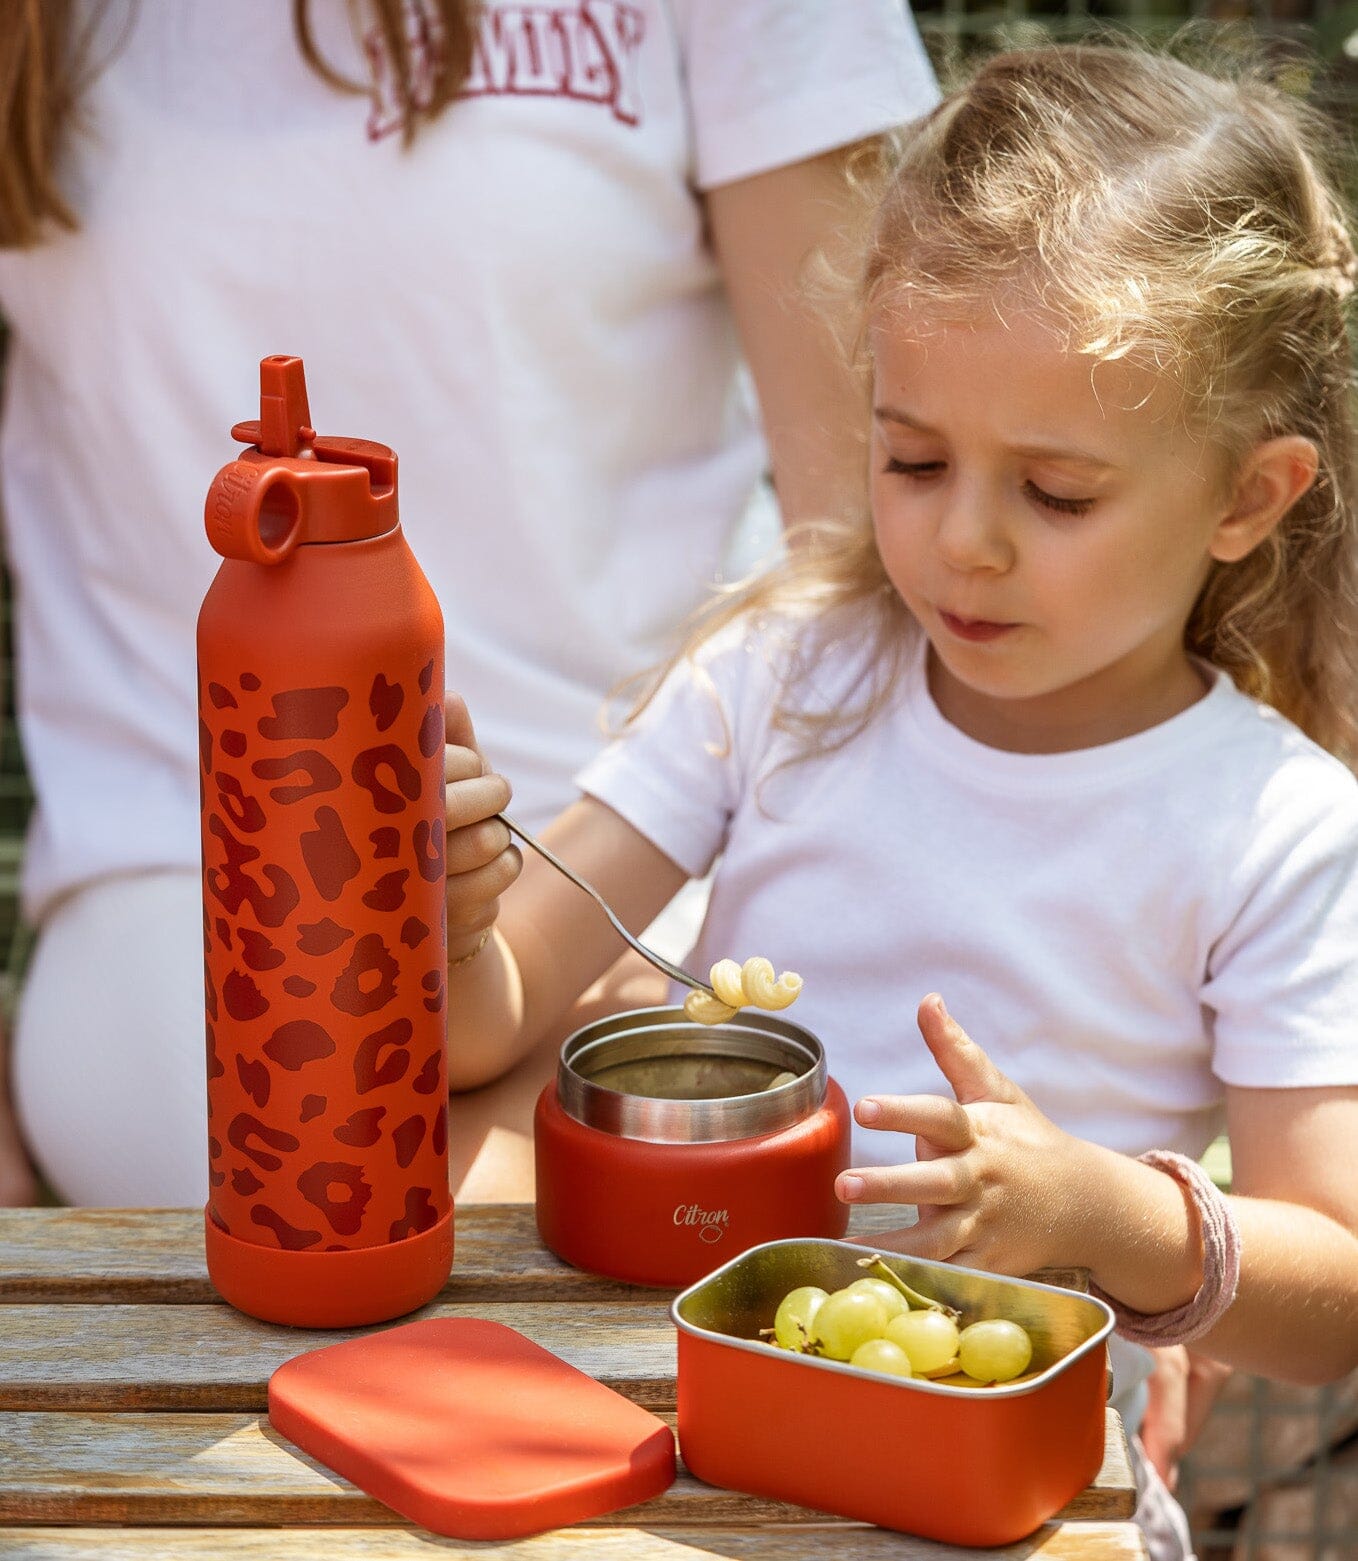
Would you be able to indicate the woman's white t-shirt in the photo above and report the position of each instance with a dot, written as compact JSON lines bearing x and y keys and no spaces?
{"x":1125,"y":929}
{"x":523,"y":305}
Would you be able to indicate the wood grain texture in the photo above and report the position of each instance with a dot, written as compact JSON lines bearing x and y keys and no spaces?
{"x":833,"y":1542}
{"x":215,"y":1358}
{"x":131,"y":1256}
{"x":218,"y":1469}
{"x":111,"y":1333}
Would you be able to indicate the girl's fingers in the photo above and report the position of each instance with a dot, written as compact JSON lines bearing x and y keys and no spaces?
{"x":942,"y":1121}
{"x":457,"y":724}
{"x":936,"y":1183}
{"x":461,"y":764}
{"x":965,"y":1066}
{"x":476,"y":846}
{"x":475,"y":801}
{"x":938,"y":1237}
{"x":473,"y":897}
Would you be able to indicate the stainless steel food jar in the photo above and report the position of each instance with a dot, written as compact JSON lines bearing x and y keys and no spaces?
{"x":666,"y":1147}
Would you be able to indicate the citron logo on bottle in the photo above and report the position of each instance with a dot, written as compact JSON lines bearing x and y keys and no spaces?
{"x":711,"y":1223}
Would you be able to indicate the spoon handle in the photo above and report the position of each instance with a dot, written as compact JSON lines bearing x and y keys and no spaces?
{"x":674,"y":972}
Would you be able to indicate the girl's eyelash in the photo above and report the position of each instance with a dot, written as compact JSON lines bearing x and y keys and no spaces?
{"x":1062,"y":506}
{"x":1047,"y":500}
{"x":911,"y":468}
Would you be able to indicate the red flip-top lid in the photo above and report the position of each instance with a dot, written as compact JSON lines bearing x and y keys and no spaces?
{"x":472,"y":1430}
{"x":292,"y":485}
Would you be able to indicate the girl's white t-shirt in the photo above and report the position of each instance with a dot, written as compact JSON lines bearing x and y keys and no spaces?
{"x":1125,"y":929}
{"x":523,"y":305}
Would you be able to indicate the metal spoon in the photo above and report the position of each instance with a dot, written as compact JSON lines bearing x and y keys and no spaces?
{"x":674,"y":972}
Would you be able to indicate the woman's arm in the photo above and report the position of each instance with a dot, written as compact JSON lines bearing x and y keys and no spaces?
{"x":548,"y":941}
{"x":765,"y":231}
{"x":18,"y":1183}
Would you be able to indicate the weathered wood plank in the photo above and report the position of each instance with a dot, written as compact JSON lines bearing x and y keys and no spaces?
{"x":132,"y":1256}
{"x":1067,"y":1542}
{"x":141,"y":1469}
{"x":215,"y":1358}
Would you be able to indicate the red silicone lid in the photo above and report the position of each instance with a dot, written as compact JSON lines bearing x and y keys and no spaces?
{"x":470,"y":1429}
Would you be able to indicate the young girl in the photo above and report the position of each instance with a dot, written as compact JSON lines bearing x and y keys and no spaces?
{"x":1049,"y":734}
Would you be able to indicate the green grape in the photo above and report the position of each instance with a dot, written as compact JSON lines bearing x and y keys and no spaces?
{"x":846,"y":1319}
{"x":889,"y":1295}
{"x":792,"y":1321}
{"x":995,"y":1350}
{"x":881,"y":1355}
{"x":928,"y":1338}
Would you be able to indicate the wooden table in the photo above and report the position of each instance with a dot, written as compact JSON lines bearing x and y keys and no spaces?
{"x":132,"y":1426}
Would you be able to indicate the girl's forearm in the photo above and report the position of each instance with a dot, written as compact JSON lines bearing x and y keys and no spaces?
{"x":486,"y":1030}
{"x":1295,"y":1315}
{"x":1134,"y":1231}
{"x":506,"y":998}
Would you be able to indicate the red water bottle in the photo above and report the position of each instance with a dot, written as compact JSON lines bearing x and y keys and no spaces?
{"x":320,"y":688}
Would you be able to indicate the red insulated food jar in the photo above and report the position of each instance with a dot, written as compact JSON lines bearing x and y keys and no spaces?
{"x":666,"y":1147}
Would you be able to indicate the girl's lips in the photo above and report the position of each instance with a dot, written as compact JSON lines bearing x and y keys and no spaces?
{"x":974,"y":629}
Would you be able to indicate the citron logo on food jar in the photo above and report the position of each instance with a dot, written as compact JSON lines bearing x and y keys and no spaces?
{"x":710,"y":1223}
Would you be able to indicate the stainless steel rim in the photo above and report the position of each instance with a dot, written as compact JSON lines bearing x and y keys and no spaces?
{"x":652,"y":1033}
{"x":727,"y":1306}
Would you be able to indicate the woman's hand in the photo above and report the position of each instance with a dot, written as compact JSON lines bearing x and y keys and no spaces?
{"x":18,"y":1181}
{"x":481,"y":860}
{"x":998,"y":1185}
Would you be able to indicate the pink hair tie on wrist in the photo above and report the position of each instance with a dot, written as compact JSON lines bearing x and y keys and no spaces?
{"x":1220,"y":1262}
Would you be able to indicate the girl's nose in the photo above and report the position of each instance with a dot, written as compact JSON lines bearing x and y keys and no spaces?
{"x":971,"y":533}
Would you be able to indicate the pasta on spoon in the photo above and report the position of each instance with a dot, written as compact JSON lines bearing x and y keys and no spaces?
{"x":751,"y":985}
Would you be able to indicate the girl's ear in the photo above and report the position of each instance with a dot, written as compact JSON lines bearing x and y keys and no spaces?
{"x":1273,"y":476}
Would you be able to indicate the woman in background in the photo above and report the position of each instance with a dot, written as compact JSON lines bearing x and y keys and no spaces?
{"x":530,"y":252}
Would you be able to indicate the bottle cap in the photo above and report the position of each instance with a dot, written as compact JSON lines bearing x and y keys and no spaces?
{"x":467,"y":1427}
{"x":292,"y":486}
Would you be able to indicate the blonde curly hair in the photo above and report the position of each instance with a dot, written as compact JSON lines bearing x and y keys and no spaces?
{"x":1183,"y":219}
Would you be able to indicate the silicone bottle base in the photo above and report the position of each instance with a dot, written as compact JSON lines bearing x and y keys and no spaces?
{"x":330,"y":1289}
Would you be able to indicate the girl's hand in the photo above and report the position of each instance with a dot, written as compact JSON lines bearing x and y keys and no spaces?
{"x":481,"y":861}
{"x":996,"y":1183}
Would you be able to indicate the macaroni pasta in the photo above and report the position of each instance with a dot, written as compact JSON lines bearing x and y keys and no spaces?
{"x":739,"y":986}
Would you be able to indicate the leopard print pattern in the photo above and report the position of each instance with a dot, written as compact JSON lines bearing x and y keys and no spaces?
{"x":324,"y":939}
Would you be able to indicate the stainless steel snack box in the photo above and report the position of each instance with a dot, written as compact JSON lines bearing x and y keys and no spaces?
{"x":967,"y":1465}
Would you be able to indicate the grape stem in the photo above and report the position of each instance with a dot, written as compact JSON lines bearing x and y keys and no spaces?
{"x":878,"y":1266}
{"x":808,"y":1346}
